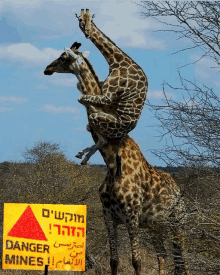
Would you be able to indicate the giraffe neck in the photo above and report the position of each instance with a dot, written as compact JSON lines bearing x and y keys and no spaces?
{"x":88,"y":79}
{"x":90,"y":85}
{"x":106,"y":46}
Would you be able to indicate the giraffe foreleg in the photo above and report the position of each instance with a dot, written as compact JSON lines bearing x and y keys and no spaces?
{"x":101,"y":142}
{"x":84,"y":151}
{"x":113,"y":240}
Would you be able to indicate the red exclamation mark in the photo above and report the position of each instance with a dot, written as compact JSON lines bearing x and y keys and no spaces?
{"x":50,"y":227}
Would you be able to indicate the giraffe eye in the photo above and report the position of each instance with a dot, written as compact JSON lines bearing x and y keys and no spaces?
{"x":62,"y":58}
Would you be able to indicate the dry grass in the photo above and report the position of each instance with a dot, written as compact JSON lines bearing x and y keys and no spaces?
{"x":57,"y":180}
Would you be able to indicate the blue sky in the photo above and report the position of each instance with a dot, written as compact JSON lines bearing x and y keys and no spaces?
{"x":35,"y":107}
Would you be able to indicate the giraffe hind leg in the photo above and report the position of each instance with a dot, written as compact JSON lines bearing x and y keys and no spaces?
{"x":161,"y":253}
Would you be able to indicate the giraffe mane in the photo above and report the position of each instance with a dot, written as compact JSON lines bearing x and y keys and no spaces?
{"x":92,"y":71}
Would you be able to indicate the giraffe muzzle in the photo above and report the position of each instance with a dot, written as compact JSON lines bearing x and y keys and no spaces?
{"x":48,"y":72}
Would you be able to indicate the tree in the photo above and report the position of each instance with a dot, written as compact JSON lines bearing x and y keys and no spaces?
{"x":194,"y":128}
{"x":198,"y":21}
{"x":41,"y":151}
{"x":195,"y":121}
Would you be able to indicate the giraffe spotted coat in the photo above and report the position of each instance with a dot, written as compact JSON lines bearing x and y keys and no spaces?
{"x":142,"y":196}
{"x":123,"y":91}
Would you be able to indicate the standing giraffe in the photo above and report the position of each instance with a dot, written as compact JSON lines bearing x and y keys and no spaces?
{"x":123,"y":91}
{"x":142,"y":196}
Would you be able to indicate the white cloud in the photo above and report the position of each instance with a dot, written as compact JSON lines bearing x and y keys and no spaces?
{"x":27,"y":53}
{"x":118,"y":19}
{"x":49,"y":108}
{"x":6,"y":109}
{"x":41,"y":87}
{"x":205,"y":69}
{"x":158,"y":94}
{"x":12,"y":99}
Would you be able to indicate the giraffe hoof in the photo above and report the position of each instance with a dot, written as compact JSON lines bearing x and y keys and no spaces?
{"x":79,"y":155}
{"x":84,"y":162}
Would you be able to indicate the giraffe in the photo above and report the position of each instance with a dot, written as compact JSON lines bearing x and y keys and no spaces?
{"x":123,"y":91}
{"x":141,"y":196}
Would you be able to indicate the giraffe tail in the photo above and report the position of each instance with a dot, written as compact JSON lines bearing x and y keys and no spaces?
{"x":118,"y":166}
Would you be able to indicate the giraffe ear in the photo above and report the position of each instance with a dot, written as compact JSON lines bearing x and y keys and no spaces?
{"x":75,"y":45}
{"x":86,"y":54}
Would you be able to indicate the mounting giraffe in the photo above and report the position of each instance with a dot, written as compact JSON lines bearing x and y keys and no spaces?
{"x":141,"y":196}
{"x":123,"y":91}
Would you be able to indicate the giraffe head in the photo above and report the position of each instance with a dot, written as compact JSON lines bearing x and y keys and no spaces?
{"x":85,"y":21}
{"x":69,"y":61}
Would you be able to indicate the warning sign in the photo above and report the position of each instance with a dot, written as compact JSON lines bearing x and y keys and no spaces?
{"x":36,"y":235}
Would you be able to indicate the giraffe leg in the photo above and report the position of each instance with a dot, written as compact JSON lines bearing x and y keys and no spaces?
{"x":161,"y":253}
{"x":113,"y":239}
{"x":179,"y":252}
{"x":134,"y":240}
{"x":101,"y":142}
{"x":81,"y":153}
{"x":105,"y":126}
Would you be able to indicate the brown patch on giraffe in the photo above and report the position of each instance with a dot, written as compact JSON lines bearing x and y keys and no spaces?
{"x":128,"y":60}
{"x":123,"y":72}
{"x":125,"y":190}
{"x":156,"y":199}
{"x":93,"y":84}
{"x":142,"y":95}
{"x":124,"y":64}
{"x":118,"y":57}
{"x":131,"y":70}
{"x":128,"y":198}
{"x":140,"y":85}
{"x":120,"y":197}
{"x":122,"y":82}
{"x":138,"y":101}
{"x":130,"y":170}
{"x":143,"y":78}
{"x":126,"y":183}
{"x":111,"y":60}
{"x":135,"y":164}
{"x":147,"y":197}
{"x":135,"y":202}
{"x":131,"y":83}
{"x":114,"y":81}
{"x":123,"y":155}
{"x":111,"y":89}
{"x":124,"y":169}
{"x":114,"y":73}
{"x":95,"y":90}
{"x":129,"y":153}
{"x":141,"y":175}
